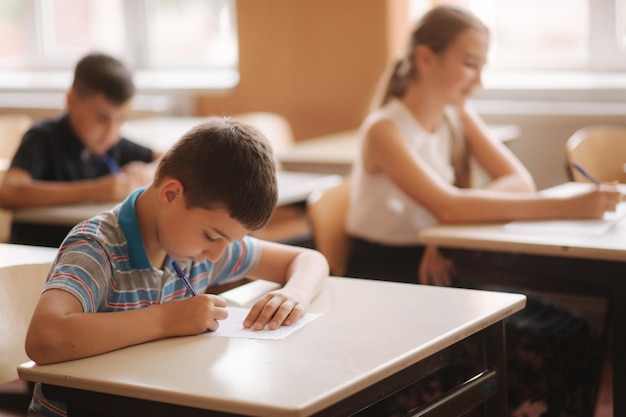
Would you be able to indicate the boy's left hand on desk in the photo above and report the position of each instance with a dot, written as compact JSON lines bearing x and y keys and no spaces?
{"x":274,"y":309}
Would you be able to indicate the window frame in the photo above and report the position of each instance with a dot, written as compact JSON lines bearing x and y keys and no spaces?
{"x":38,"y":71}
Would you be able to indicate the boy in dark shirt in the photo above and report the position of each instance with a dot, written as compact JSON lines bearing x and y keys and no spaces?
{"x":80,"y":156}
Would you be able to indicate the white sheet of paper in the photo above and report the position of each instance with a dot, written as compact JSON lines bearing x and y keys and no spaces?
{"x":570,"y":227}
{"x":233,"y":326}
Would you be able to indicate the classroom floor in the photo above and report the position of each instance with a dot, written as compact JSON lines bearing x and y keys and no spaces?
{"x":13,"y":403}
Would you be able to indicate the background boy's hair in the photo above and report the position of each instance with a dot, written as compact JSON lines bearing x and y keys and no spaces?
{"x":225,"y":163}
{"x":100,"y":73}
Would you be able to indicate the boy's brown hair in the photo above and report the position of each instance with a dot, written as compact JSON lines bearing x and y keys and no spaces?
{"x":224,"y":163}
{"x":100,"y":73}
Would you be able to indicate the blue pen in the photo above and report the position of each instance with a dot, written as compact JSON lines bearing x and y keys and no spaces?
{"x":114,"y":168}
{"x":182,"y":276}
{"x":585,"y":173}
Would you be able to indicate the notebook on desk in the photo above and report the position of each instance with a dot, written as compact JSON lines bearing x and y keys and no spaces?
{"x":596,"y":227}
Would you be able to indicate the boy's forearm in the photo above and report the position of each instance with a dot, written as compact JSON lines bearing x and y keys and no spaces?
{"x":46,"y":193}
{"x":308,"y":273}
{"x":60,"y":331}
{"x":80,"y":335}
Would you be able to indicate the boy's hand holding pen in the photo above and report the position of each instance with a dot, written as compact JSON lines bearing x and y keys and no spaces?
{"x":208,"y":306}
{"x":183,"y":278}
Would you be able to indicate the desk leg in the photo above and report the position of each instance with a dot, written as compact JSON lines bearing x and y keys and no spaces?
{"x":618,"y":326}
{"x":487,"y":390}
{"x":496,"y":356}
{"x":576,"y":276}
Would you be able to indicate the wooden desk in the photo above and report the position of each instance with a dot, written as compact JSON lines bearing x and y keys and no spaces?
{"x":159,"y":132}
{"x":594,"y":266}
{"x":372,"y":339}
{"x":335,"y":153}
{"x":24,"y":255}
{"x":332,"y":153}
{"x":293,"y":187}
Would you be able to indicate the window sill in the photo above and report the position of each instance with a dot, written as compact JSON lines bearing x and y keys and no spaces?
{"x":603,"y":86}
{"x":158,"y":91}
{"x":146,"y":80}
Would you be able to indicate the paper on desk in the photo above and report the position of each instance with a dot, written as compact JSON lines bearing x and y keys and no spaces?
{"x":570,"y":227}
{"x":233,"y":326}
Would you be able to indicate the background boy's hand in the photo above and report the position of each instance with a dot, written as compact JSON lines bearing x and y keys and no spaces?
{"x":139,"y":173}
{"x":117,"y":187}
{"x":113,"y":188}
{"x":283,"y":306}
{"x":594,"y":203}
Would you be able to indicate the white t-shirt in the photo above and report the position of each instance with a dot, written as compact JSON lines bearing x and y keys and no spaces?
{"x":379,"y":211}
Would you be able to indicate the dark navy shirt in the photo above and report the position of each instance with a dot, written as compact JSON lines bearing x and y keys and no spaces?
{"x":51,"y":151}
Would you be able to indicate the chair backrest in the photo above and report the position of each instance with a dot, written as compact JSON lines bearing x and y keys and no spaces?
{"x":12,"y":128}
{"x":273,"y":125}
{"x":20,"y":288}
{"x":327,"y":210}
{"x":601,"y":150}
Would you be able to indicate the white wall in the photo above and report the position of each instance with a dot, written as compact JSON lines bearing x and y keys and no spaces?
{"x":545,"y":127}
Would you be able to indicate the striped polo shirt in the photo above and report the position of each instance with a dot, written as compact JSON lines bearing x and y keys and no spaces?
{"x":103,"y":263}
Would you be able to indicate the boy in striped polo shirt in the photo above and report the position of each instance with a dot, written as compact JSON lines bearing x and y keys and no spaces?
{"x":211,"y":189}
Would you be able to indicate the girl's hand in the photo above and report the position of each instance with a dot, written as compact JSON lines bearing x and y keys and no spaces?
{"x":435,"y":269}
{"x":595,"y":203}
{"x":281,"y":307}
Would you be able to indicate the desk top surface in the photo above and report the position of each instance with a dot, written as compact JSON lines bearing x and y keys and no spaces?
{"x":610,"y":245}
{"x":293,"y":187}
{"x":368,"y":331}
{"x":160,"y":132}
{"x":11,"y":254}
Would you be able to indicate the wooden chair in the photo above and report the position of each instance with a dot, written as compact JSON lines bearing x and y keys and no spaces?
{"x":273,"y":125}
{"x":12,"y":128}
{"x":601,"y":150}
{"x":327,"y":210}
{"x":20,"y":288}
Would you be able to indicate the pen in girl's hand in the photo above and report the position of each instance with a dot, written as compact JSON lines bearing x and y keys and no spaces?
{"x":585,"y":173}
{"x":182,"y":276}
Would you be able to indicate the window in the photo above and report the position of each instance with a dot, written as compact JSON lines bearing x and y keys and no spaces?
{"x":173,"y":43}
{"x":550,"y":35}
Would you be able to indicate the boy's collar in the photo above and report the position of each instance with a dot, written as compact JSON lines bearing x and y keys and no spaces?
{"x":130,"y":226}
{"x":70,"y":135}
